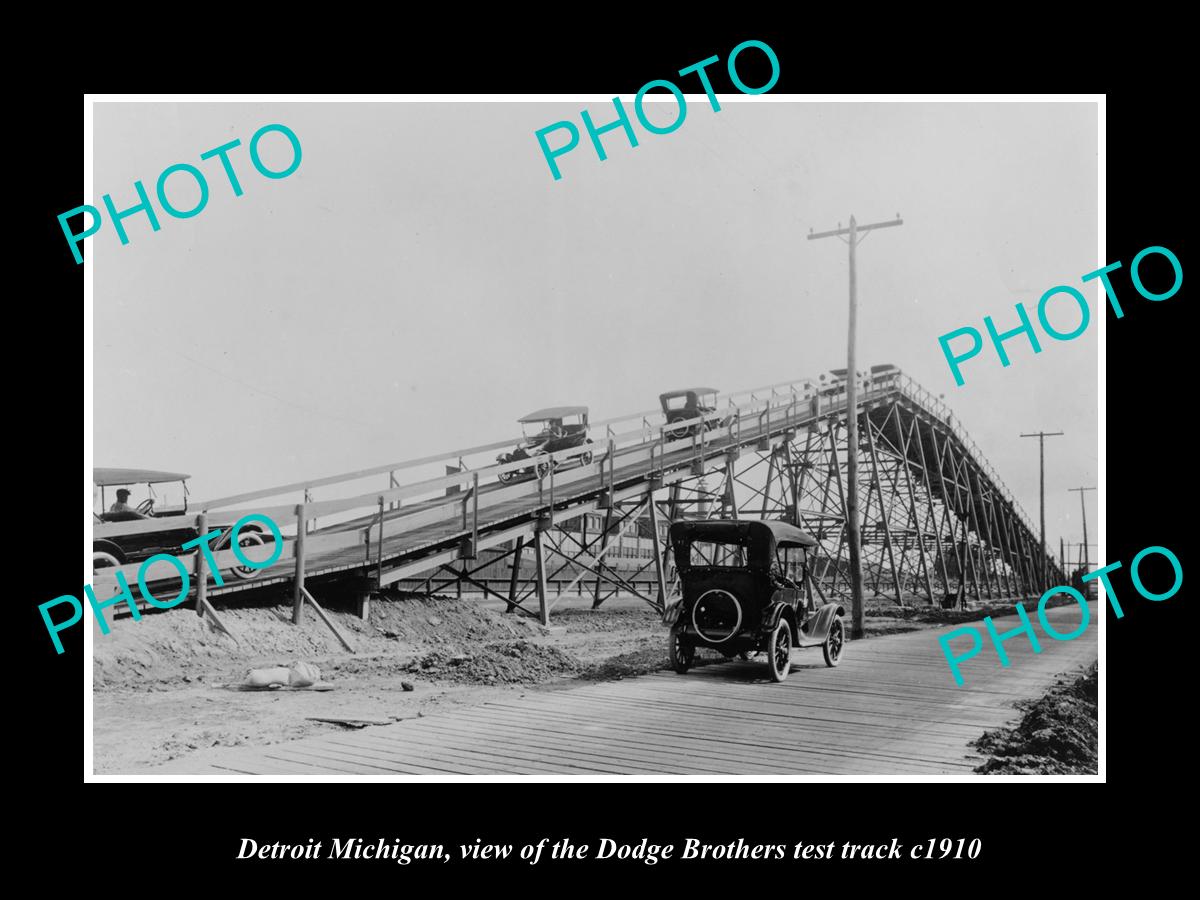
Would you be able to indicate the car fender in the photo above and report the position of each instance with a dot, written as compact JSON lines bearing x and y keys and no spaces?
{"x":817,"y":627}
{"x":110,"y":548}
{"x":776,"y":610}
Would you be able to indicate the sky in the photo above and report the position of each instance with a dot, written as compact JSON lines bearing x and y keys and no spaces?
{"x":421,"y":280}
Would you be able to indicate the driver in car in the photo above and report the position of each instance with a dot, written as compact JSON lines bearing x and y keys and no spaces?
{"x":121,"y":506}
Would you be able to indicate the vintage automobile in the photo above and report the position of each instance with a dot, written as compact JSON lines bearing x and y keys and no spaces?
{"x":690,"y":403}
{"x":548,"y":431}
{"x":742,"y":593}
{"x":118,"y":549}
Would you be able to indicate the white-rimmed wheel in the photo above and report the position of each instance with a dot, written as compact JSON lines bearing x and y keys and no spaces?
{"x":681,"y":653}
{"x":102,"y":559}
{"x":835,"y":641}
{"x":779,"y":651}
{"x":679,"y":432}
{"x":585,"y":459}
{"x":248,"y":539}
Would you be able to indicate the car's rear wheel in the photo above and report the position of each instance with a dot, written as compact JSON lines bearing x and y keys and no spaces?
{"x":682,"y":654}
{"x":835,"y":641}
{"x":248,"y":539}
{"x":678,"y":432}
{"x":542,"y":469}
{"x":585,"y":459}
{"x":779,"y":651}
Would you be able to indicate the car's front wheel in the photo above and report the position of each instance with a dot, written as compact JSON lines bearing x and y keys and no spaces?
{"x":779,"y":651}
{"x":682,"y":653}
{"x":102,"y":559}
{"x":835,"y":641}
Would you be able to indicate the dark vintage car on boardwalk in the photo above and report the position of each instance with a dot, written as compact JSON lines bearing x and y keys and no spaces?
{"x":742,"y":593}
{"x":175,"y":530}
{"x":548,"y":431}
{"x":690,"y":403}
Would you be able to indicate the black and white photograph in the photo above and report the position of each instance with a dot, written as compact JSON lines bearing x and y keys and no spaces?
{"x":684,"y":436}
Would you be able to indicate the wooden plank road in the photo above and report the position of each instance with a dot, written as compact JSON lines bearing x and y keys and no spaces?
{"x":890,"y":708}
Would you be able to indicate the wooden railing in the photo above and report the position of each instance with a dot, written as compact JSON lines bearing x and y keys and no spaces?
{"x":383,"y":513}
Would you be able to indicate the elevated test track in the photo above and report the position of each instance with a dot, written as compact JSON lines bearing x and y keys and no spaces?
{"x":937,"y":521}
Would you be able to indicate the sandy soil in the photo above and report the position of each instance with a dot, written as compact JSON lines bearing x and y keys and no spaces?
{"x":161,"y":685}
{"x":1056,"y":736}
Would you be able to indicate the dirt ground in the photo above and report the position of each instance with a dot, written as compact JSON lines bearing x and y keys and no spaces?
{"x":162,"y":686}
{"x":1057,"y":735}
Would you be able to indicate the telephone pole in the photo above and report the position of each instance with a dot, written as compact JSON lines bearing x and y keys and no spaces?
{"x":1083,"y":512}
{"x":1041,"y":436}
{"x":856,"y":575}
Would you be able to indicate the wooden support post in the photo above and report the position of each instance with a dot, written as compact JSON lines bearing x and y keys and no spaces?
{"x":767,"y":486}
{"x":379,"y":551}
{"x":658,"y":560}
{"x":948,"y":507}
{"x":869,"y":427}
{"x":298,"y":598}
{"x":1005,"y":551}
{"x":973,"y":517}
{"x":325,"y":618}
{"x":912,"y":498}
{"x":516,"y":574}
{"x":608,"y":512}
{"x":730,"y":495}
{"x":203,"y":606}
{"x":539,"y":553}
{"x":926,"y":479}
{"x":201,"y":575}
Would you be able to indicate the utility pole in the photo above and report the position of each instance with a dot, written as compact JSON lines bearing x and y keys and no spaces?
{"x":1041,"y":436}
{"x":856,"y":575}
{"x":1083,"y":512}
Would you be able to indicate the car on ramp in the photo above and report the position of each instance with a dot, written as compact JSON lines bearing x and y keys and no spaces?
{"x":546,"y":431}
{"x":743,"y":592}
{"x":690,"y":403}
{"x":171,"y":527}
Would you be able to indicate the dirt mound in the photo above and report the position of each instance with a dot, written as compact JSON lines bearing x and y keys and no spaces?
{"x":177,"y":647}
{"x":508,"y":662}
{"x":607,"y":618}
{"x":1057,"y":735}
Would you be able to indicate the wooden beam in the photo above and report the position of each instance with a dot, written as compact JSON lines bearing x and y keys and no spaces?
{"x":325,"y":618}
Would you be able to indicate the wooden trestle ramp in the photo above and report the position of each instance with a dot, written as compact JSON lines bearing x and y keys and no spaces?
{"x":890,"y":708}
{"x":937,"y":520}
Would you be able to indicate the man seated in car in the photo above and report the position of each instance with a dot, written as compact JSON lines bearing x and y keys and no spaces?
{"x":121,"y":506}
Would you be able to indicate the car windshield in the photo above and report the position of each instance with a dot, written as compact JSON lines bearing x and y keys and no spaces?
{"x":789,"y":562}
{"x":725,"y":554}
{"x":167,"y":495}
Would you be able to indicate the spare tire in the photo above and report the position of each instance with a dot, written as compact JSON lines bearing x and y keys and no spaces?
{"x":717,"y":616}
